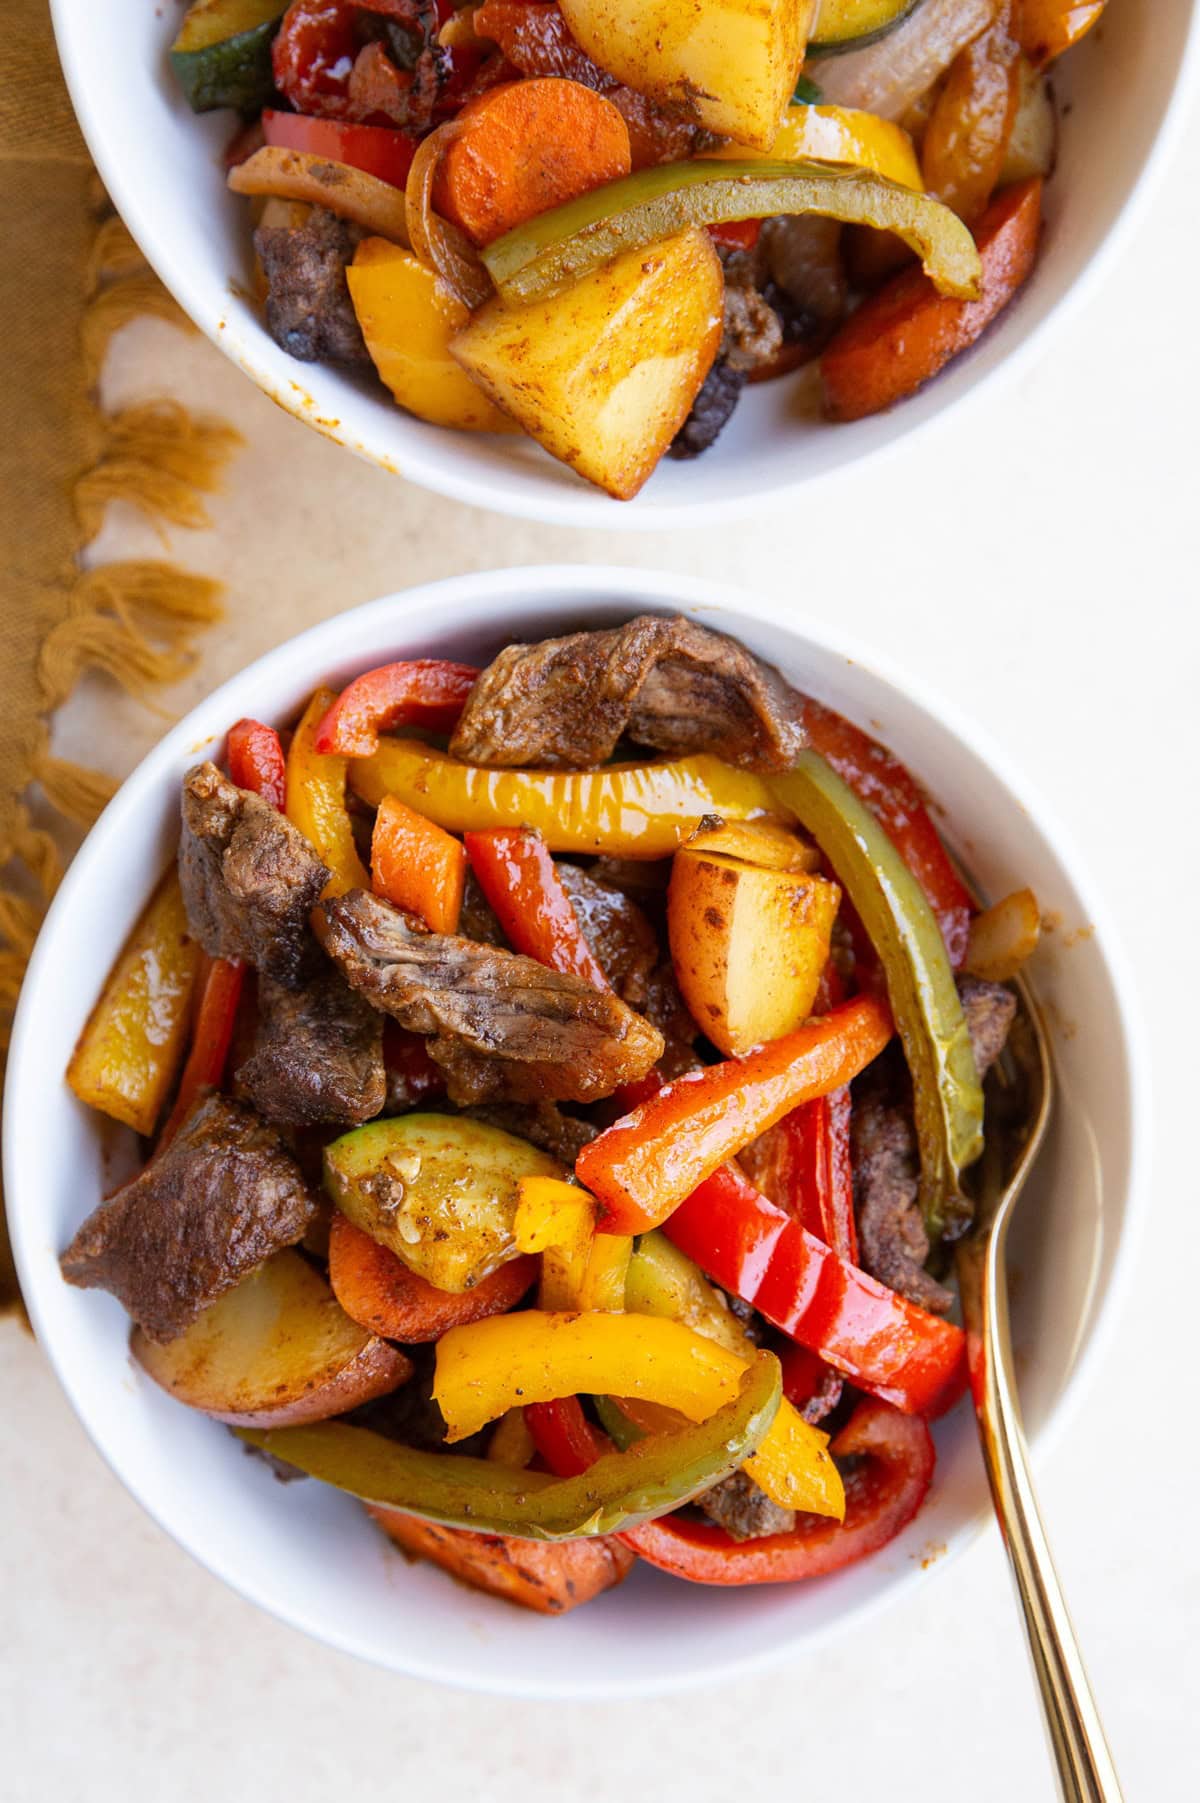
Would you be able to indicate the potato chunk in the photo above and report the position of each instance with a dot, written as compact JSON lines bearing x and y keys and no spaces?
{"x":605,"y":373}
{"x":277,"y":1351}
{"x":408,"y":318}
{"x":729,"y":65}
{"x":748,"y":943}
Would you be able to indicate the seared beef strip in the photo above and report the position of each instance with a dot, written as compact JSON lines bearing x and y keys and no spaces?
{"x":202,"y":1216}
{"x":666,"y":683}
{"x":665,"y":1009}
{"x":753,"y":334}
{"x":624,"y":942}
{"x":743,"y":1510}
{"x":478,"y":919}
{"x":506,"y":1028}
{"x":544,"y":1125}
{"x":893,"y":1243}
{"x":318,"y":1055}
{"x":249,"y":878}
{"x":309,"y":311}
{"x":712,"y":410}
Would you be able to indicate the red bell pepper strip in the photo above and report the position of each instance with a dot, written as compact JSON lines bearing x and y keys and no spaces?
{"x":886,"y":787}
{"x":256,"y":761}
{"x":425,"y":691}
{"x":815,"y":1184}
{"x":380,"y":150}
{"x":645,"y":1165}
{"x":884,"y":1491}
{"x":879,"y":1340}
{"x":736,"y":234}
{"x":406,"y":1058}
{"x":211,"y":1039}
{"x":517,"y":875}
{"x":810,"y":1385}
{"x":883,"y":1494}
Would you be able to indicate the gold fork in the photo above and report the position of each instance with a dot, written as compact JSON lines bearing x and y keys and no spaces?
{"x":1023,"y":1098}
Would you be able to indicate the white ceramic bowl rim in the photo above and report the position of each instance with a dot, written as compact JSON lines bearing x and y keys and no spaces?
{"x":733,"y":483}
{"x":308,"y":658}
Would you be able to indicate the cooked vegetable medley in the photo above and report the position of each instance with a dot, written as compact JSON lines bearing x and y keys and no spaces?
{"x":594,"y":221}
{"x":548,"y":1149}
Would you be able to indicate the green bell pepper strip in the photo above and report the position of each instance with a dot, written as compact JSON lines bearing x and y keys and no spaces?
{"x":947,"y":1095}
{"x":555,"y":249}
{"x":661,"y":1473}
{"x":623,"y":1432}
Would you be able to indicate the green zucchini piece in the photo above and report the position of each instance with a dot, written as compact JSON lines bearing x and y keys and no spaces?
{"x":852,"y":24}
{"x":222,"y":56}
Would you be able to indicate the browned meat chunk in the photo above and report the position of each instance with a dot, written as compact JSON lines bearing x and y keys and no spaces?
{"x":753,"y":333}
{"x":318,"y":1055}
{"x":505,"y":1028}
{"x":210,"y":1210}
{"x":743,"y":1510}
{"x":618,"y":932}
{"x":249,"y":878}
{"x":544,"y":1125}
{"x":666,"y":683}
{"x":712,"y":410}
{"x":478,"y":919}
{"x":309,"y":311}
{"x":893,"y":1243}
{"x":665,"y":1008}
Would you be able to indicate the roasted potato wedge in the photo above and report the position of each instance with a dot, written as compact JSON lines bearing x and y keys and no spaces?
{"x":277,"y":1351}
{"x":748,"y":944}
{"x":408,"y":318}
{"x":438,"y":1190}
{"x":604,"y":374}
{"x":729,"y":65}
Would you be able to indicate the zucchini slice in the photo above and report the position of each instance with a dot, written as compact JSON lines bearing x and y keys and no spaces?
{"x":222,"y":56}
{"x":851,"y":24}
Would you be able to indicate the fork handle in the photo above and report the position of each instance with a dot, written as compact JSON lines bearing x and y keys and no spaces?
{"x":1085,"y":1767}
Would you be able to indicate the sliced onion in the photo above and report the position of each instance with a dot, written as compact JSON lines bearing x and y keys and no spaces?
{"x":1003,"y":937}
{"x":888,"y":77}
{"x":350,"y":193}
{"x":435,"y":242}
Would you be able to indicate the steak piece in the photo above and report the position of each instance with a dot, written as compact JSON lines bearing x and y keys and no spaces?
{"x":544,"y":1125}
{"x":309,"y":312}
{"x":753,"y":333}
{"x":712,"y":410}
{"x":623,"y":941}
{"x":504,"y":1027}
{"x":893,"y":1243}
{"x":743,"y":1510}
{"x":665,"y":1009}
{"x":318,"y":1055}
{"x":249,"y":878}
{"x":203,"y":1215}
{"x":666,"y":683}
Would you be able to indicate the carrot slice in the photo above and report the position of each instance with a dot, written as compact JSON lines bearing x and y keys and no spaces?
{"x":380,"y":1292}
{"x":907,"y":332}
{"x":524,"y":148}
{"x":417,"y":865}
{"x":550,"y":1578}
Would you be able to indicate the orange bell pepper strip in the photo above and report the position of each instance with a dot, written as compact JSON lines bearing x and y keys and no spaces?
{"x":517,"y":875}
{"x":1045,"y":28}
{"x":879,"y":1340}
{"x":417,"y":866}
{"x":484,"y":1370}
{"x":906,"y":332}
{"x":645,"y":1165}
{"x":428,"y":692}
{"x":316,"y":801}
{"x":380,"y":1292}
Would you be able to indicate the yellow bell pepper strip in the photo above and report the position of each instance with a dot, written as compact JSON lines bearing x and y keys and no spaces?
{"x":625,"y":810}
{"x":642,"y":1168}
{"x":620,"y":1491}
{"x":947,"y":1095}
{"x":316,"y":800}
{"x":130,"y":1052}
{"x":581,"y":1269}
{"x":484,"y":1370}
{"x":556,"y":249}
{"x":839,"y":134}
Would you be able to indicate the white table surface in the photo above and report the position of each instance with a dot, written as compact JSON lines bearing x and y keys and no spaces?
{"x":1066,"y":509}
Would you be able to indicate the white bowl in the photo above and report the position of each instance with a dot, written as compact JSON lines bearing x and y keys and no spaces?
{"x":162,"y":167}
{"x":310,"y":1555}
